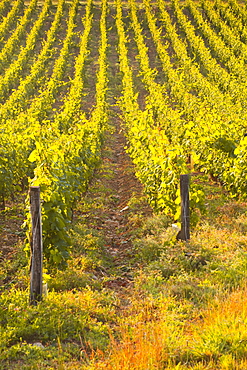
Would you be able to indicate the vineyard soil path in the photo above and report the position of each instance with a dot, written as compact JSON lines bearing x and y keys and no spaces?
{"x":118,"y":204}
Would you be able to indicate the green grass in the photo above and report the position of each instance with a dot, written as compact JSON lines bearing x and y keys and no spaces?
{"x":184,"y":306}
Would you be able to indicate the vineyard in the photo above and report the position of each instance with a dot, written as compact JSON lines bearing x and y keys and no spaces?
{"x":183,"y":111}
{"x":162,"y":86}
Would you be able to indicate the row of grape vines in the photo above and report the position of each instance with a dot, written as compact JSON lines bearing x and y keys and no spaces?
{"x":58,"y":148}
{"x":192,"y":116}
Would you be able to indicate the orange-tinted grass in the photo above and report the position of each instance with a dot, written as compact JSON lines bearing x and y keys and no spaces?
{"x":147,"y":340}
{"x":221,"y":334}
{"x":216,"y":340}
{"x":145,"y":348}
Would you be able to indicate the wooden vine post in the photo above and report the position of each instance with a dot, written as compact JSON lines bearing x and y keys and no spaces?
{"x":185,"y":207}
{"x":36,"y":282}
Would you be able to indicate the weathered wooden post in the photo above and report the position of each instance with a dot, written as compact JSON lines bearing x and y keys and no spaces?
{"x":36,"y":247}
{"x":185,"y":207}
{"x":2,"y":201}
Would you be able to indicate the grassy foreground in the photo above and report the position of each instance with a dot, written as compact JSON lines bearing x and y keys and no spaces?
{"x":156,"y":304}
